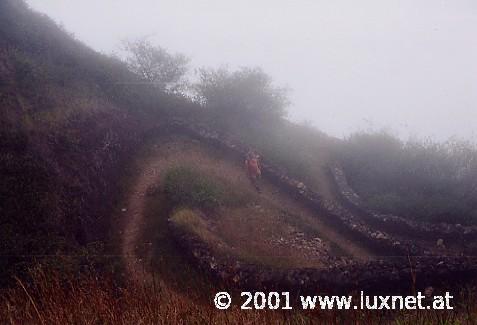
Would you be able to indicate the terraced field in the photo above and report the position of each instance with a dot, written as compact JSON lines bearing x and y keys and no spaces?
{"x":274,"y":229}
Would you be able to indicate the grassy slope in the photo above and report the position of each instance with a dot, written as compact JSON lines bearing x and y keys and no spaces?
{"x":266,"y":228}
{"x":68,"y":117}
{"x":302,"y":151}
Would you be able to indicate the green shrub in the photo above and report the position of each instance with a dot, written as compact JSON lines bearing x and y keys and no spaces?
{"x":187,"y":187}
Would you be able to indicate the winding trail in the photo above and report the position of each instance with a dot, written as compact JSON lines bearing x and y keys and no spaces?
{"x":172,"y":151}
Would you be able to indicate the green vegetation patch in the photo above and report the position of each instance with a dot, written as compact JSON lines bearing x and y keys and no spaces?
{"x":188,"y":187}
{"x":191,"y":222}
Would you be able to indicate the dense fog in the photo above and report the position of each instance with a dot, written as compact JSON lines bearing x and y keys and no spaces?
{"x":405,"y":66}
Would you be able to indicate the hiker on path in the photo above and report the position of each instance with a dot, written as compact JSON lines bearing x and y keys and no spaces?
{"x":252,"y":166}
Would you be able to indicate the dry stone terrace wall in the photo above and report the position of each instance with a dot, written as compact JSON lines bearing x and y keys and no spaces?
{"x":405,"y":260}
{"x":346,"y":221}
{"x":449,"y":232}
{"x":392,"y":277}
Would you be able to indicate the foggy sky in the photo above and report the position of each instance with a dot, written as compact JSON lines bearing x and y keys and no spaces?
{"x":406,"y":65}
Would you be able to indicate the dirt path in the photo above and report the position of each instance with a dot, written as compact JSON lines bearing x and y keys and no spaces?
{"x":170,"y":152}
{"x":134,"y":222}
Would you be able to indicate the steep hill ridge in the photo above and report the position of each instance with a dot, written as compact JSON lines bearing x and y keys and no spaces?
{"x":71,"y":121}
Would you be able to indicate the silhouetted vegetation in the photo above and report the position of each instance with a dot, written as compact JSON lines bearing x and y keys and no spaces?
{"x":155,"y":65}
{"x":244,"y":98}
{"x":422,"y":180}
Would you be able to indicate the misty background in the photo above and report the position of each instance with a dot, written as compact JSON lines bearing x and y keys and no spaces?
{"x":406,"y":66}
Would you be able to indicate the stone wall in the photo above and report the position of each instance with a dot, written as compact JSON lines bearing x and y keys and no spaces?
{"x":449,"y":232}
{"x":399,"y":275}
{"x":345,"y":220}
{"x":406,"y":264}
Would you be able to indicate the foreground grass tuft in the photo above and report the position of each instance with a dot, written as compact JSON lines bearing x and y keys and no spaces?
{"x":45,"y":299}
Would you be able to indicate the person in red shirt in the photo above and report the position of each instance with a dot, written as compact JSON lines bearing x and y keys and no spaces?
{"x":252,"y":166}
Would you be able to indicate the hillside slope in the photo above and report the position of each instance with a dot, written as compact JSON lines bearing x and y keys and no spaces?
{"x":68,"y":117}
{"x":270,"y":228}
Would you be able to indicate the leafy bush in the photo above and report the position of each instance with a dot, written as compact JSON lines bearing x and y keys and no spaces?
{"x":156,"y":65}
{"x":243,"y":97}
{"x":187,"y":187}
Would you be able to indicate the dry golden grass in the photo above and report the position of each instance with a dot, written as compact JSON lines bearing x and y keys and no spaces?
{"x":192,"y":222}
{"x":94,"y":300}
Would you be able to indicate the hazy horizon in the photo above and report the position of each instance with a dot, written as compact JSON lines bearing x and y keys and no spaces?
{"x":406,"y":66}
